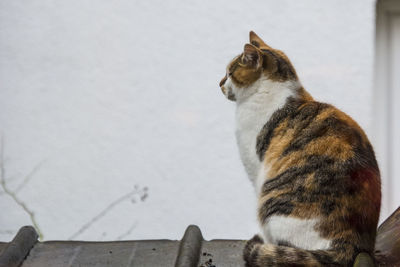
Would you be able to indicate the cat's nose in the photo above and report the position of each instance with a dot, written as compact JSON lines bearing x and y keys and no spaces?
{"x":222,"y":81}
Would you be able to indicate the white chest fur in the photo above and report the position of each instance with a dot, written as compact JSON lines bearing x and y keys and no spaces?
{"x":255,"y":106}
{"x":298,"y":232}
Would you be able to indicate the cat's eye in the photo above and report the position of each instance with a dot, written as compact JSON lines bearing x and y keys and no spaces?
{"x":230,"y":73}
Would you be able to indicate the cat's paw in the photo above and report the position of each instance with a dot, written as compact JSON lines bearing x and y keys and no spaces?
{"x":250,"y":248}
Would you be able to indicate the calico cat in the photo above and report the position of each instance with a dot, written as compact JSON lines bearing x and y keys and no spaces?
{"x":313,"y":168}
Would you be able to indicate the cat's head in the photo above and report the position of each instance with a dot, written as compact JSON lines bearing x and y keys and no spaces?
{"x":258,"y":62}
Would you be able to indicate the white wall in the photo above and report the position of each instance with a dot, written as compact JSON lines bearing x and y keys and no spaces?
{"x":105,"y":95}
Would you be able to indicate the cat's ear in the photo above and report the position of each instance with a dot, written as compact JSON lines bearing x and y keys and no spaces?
{"x":257,"y":41}
{"x":270,"y":61}
{"x":252,"y":56}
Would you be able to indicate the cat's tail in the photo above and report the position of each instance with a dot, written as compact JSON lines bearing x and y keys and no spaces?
{"x":258,"y":254}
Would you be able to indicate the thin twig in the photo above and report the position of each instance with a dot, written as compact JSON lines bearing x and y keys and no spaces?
{"x":24,"y":207}
{"x":28,"y":177}
{"x":122,"y":236}
{"x":103,"y":213}
{"x":12,"y":194}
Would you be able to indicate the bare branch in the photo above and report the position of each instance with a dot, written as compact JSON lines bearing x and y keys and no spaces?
{"x":28,"y":177}
{"x":105,"y":211}
{"x":143,"y":194}
{"x":12,"y":194}
{"x":23,"y":206}
{"x":122,"y":236}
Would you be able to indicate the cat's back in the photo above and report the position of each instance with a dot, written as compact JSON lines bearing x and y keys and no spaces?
{"x":304,"y":129}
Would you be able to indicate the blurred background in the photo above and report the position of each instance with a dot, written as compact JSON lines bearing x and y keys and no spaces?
{"x":113,"y":125}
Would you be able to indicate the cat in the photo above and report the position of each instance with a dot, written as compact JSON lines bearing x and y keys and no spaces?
{"x":312,"y":166}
